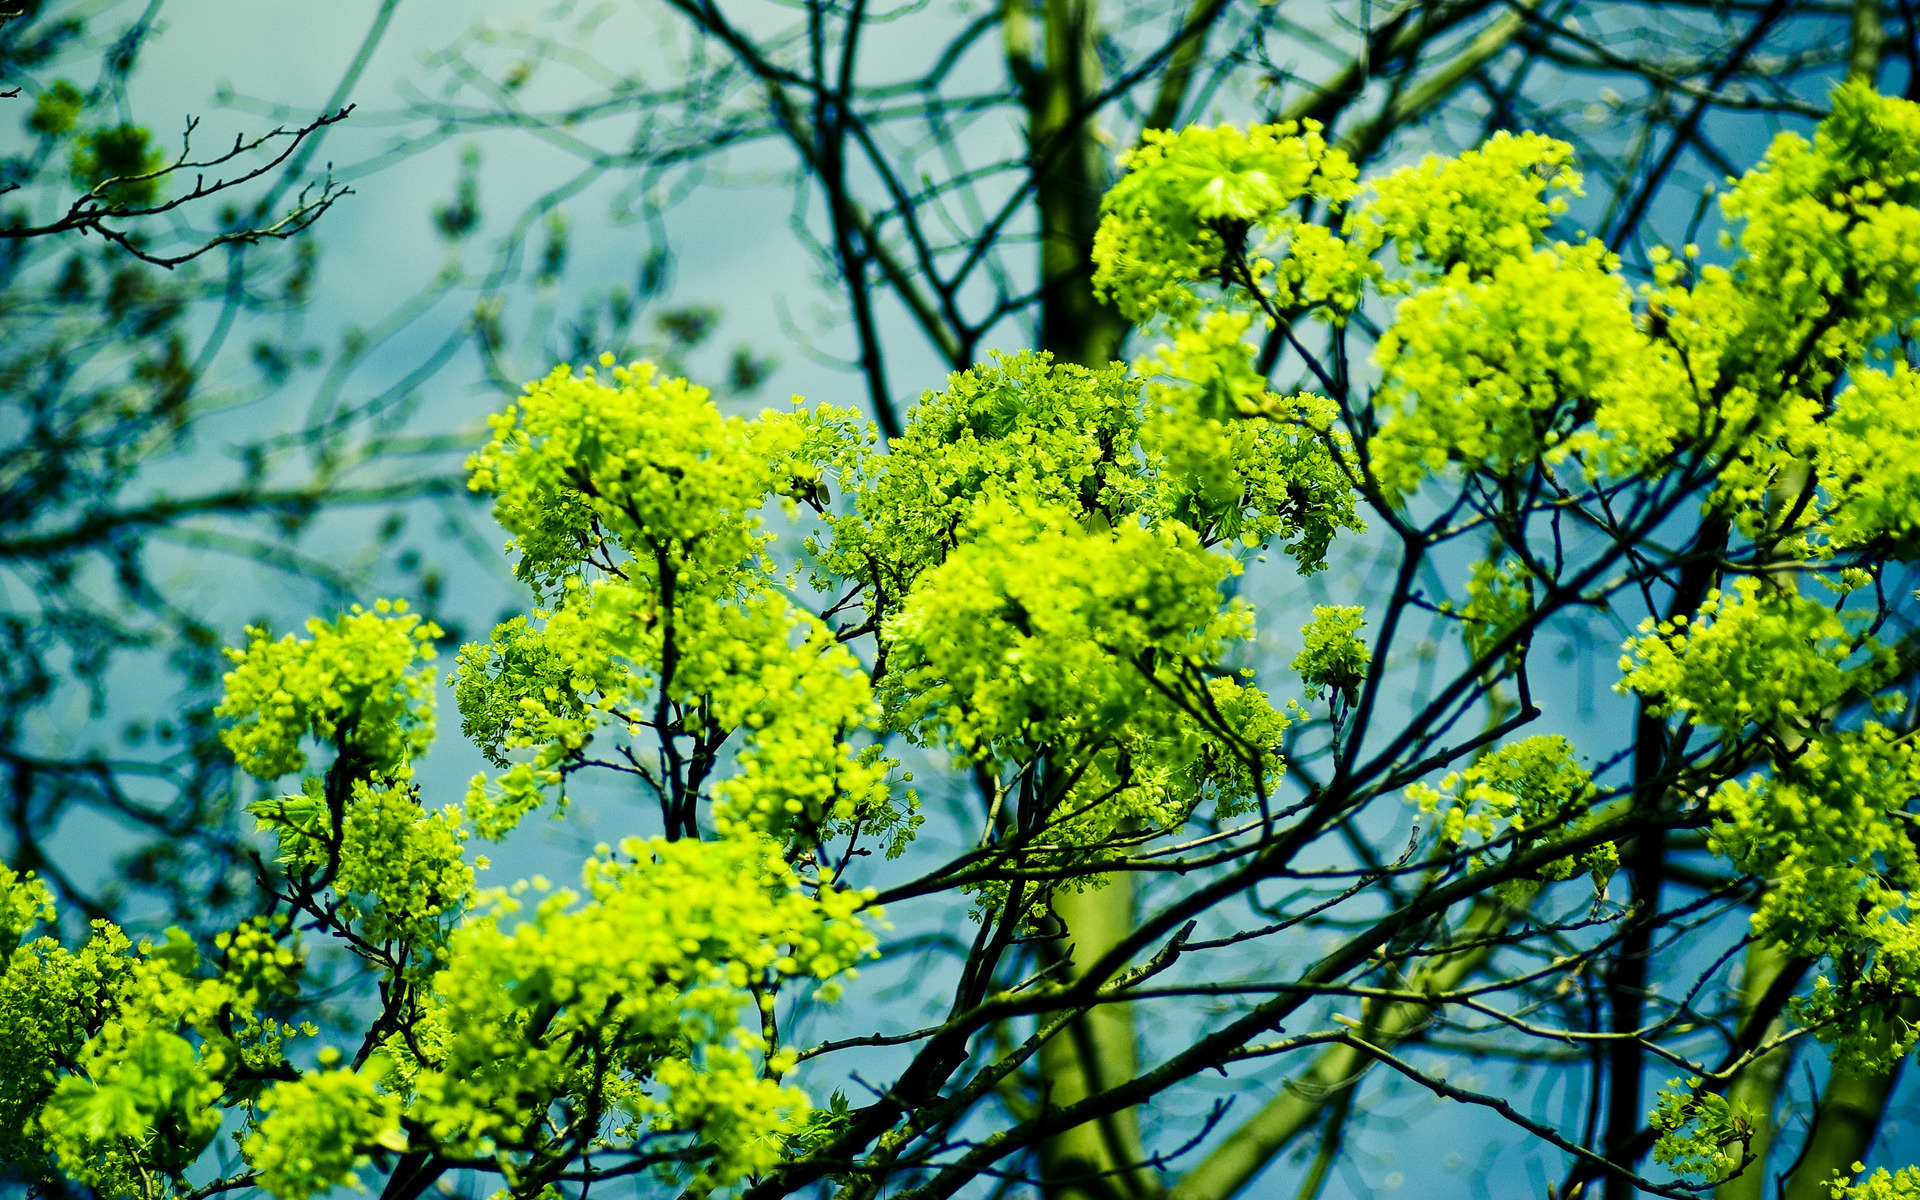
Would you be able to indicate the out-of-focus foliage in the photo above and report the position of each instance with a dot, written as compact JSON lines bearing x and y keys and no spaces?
{"x":113,"y":319}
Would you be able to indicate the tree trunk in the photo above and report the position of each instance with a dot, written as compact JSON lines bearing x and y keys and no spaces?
{"x":1072,"y":170}
{"x":1099,"y":1160}
{"x":1757,"y":1087}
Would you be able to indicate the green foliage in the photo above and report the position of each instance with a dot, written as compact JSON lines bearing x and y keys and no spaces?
{"x":1701,"y":1133}
{"x":1536,"y":789}
{"x":1188,"y":198}
{"x":1499,"y":601}
{"x":1034,"y":634}
{"x":1541,"y":355}
{"x":1833,"y":823}
{"x":628,"y":999}
{"x":1334,"y":657}
{"x":127,"y":1053}
{"x":1018,"y":428}
{"x":1759,"y":653}
{"x":1474,"y":211}
{"x":116,"y":163}
{"x":1883,"y":1184}
{"x":315,"y":1130}
{"x":1035,"y":580}
{"x":350,"y":686}
{"x":150,"y":1105}
{"x":1287,"y":475}
{"x":24,"y":902}
{"x":47,"y":996}
{"x":402,"y":866}
{"x":645,"y":465}
{"x":508,"y":688}
{"x":57,"y":109}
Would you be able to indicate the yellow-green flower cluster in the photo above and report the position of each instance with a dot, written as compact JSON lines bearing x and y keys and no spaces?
{"x":1702,"y":1133}
{"x":352,"y":685}
{"x":118,"y":1061}
{"x":549,"y":688}
{"x":601,"y":994}
{"x":1868,"y":463}
{"x":1035,"y":634}
{"x":1027,"y":431}
{"x":1499,"y":601}
{"x":401,"y":868}
{"x":1019,"y":426}
{"x":1530,"y":783}
{"x":48,"y":998}
{"x":580,"y":469}
{"x":528,"y":686}
{"x":1288,"y":475}
{"x":1191,"y":202}
{"x":798,"y":704}
{"x":1334,"y":656}
{"x":1475,"y":210}
{"x":1509,"y":347}
{"x":1903,"y":1184}
{"x":1539,"y":353}
{"x":1757,"y":653}
{"x":1207,"y":368}
{"x":672,"y":493}
{"x":25,"y":901}
{"x":1828,"y":828}
{"x":1830,"y":226}
{"x":314,"y":1131}
{"x":1535,"y":788}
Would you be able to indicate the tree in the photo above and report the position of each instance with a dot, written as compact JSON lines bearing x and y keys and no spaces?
{"x":940,"y":235}
{"x":1030,"y":583}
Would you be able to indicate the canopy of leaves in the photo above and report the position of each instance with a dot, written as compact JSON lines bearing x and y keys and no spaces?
{"x":1035,"y":580}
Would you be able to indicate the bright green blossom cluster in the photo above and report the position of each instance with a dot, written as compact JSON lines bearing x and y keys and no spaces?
{"x":649,"y":465}
{"x":1041,"y":552}
{"x":1701,"y":1132}
{"x":1288,"y":475}
{"x":118,"y":1059}
{"x":654,"y":489}
{"x":401,"y":867}
{"x":351,"y":686}
{"x":1035,"y":633}
{"x":315,"y":1131}
{"x":1475,"y":210}
{"x":1758,"y":653}
{"x":1499,"y":601}
{"x":1542,"y":353}
{"x":1883,"y":1184}
{"x":1031,"y":432}
{"x":46,"y":993}
{"x":24,"y":902}
{"x":629,"y":999}
{"x":1019,"y":427}
{"x":1334,"y":656}
{"x":1535,"y":788}
{"x":1193,"y":202}
{"x":1829,"y":825}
